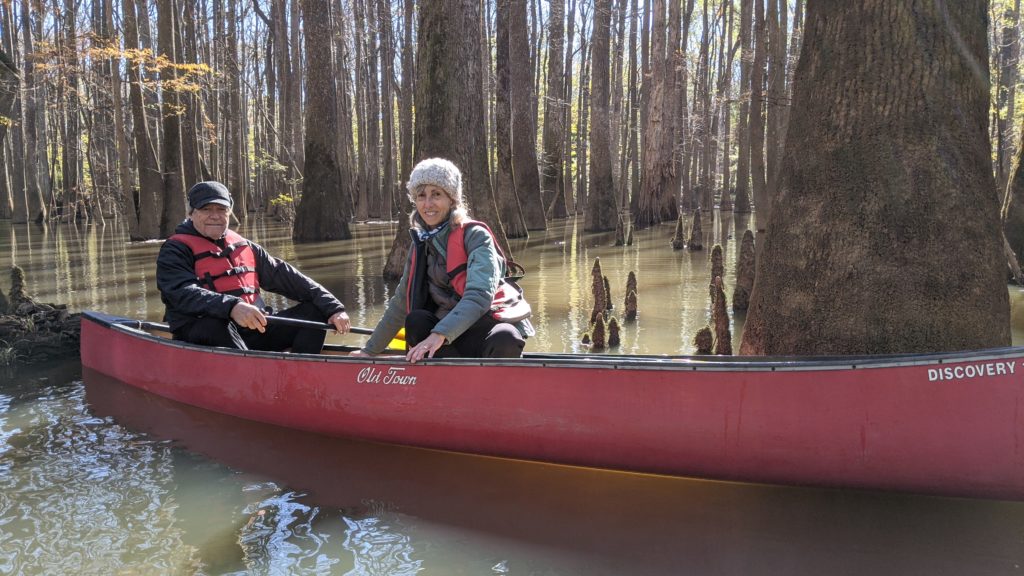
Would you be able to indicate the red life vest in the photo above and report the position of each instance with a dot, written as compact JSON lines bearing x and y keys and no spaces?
{"x":228,"y":271}
{"x":508,"y":304}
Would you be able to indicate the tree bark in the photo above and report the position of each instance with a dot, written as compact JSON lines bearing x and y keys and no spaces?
{"x":756,"y":125}
{"x":885,"y":237}
{"x":554,"y":115}
{"x":657,"y":161}
{"x":509,"y":207}
{"x":74,"y":204}
{"x":322,"y":214}
{"x":173,"y":209}
{"x":1008,"y":56}
{"x":150,"y":179}
{"x":568,"y":197}
{"x":450,"y":109}
{"x":742,"y":203}
{"x":408,"y":89}
{"x":387,"y":183}
{"x":602,"y":214}
{"x":524,"y":125}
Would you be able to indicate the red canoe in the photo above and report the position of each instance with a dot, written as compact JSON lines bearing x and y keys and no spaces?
{"x":945,"y":424}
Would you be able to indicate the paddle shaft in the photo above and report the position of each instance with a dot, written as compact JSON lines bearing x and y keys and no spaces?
{"x":298,"y":323}
{"x":273,"y":320}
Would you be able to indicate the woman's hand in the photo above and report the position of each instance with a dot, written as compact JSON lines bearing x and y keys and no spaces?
{"x":361,"y":352}
{"x":425,"y":349}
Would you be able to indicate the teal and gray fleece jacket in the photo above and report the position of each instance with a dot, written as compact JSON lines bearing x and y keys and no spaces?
{"x":429,"y":282}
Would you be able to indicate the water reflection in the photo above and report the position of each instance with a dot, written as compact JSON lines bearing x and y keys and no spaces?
{"x":365,"y":509}
{"x":104,"y":479}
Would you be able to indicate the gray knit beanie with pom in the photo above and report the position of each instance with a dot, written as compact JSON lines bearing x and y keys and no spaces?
{"x":440,"y":173}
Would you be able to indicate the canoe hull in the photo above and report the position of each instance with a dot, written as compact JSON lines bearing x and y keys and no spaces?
{"x":899,"y":424}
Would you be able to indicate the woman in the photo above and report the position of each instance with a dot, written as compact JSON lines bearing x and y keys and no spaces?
{"x":452,"y":299}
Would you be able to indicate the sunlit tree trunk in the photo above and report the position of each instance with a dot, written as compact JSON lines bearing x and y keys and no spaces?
{"x":1008,"y":57}
{"x":408,"y":88}
{"x":756,"y":124}
{"x":36,"y":208}
{"x":387,"y":171}
{"x":657,"y":160}
{"x":323,"y":212}
{"x":885,"y":237}
{"x":742,"y":204}
{"x":235,"y":120}
{"x":601,"y":208}
{"x":629,"y":185}
{"x":192,"y":163}
{"x":173,"y":209}
{"x":150,"y":179}
{"x":524,"y":125}
{"x":505,"y":193}
{"x":568,"y":196}
{"x":554,"y":130}
{"x":725,"y":105}
{"x":450,"y":106}
{"x":72,"y":151}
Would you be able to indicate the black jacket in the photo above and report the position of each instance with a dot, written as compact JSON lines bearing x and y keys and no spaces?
{"x":185,"y":300}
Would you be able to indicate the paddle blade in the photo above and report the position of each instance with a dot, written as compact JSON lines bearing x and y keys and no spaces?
{"x":398,"y":342}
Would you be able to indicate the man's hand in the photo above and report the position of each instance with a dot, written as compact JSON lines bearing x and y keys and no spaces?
{"x":248,"y":316}
{"x":341,"y":322}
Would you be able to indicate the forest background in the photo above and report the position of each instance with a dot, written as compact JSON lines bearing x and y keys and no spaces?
{"x":630,"y":112}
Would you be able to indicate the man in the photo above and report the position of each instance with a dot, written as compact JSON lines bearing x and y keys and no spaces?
{"x":210,"y":280}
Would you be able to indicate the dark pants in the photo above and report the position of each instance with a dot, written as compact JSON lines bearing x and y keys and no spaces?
{"x":487,"y":338}
{"x":217,"y":332}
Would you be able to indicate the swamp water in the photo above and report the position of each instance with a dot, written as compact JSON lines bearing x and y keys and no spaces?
{"x":100,"y":478}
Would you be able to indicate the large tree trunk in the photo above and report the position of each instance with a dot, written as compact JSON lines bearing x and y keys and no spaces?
{"x":173,"y":209}
{"x":554,"y":103}
{"x":235,"y":120}
{"x":630,"y":185}
{"x":372,"y":136}
{"x":602,"y":213}
{"x":1008,"y":56}
{"x":36,"y":209}
{"x":363,"y":113}
{"x":74,"y":202}
{"x":505,"y":193}
{"x":192,"y":163}
{"x":387,"y":182}
{"x":657,"y":170}
{"x":568,"y":196}
{"x":524,"y":124}
{"x":408,"y":89}
{"x":450,"y":106}
{"x":742,"y":203}
{"x":756,"y":125}
{"x":150,"y":179}
{"x":885,"y":237}
{"x":323,"y":212}
{"x":14,"y":173}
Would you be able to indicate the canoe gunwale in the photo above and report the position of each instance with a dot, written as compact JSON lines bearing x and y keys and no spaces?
{"x":137,"y":329}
